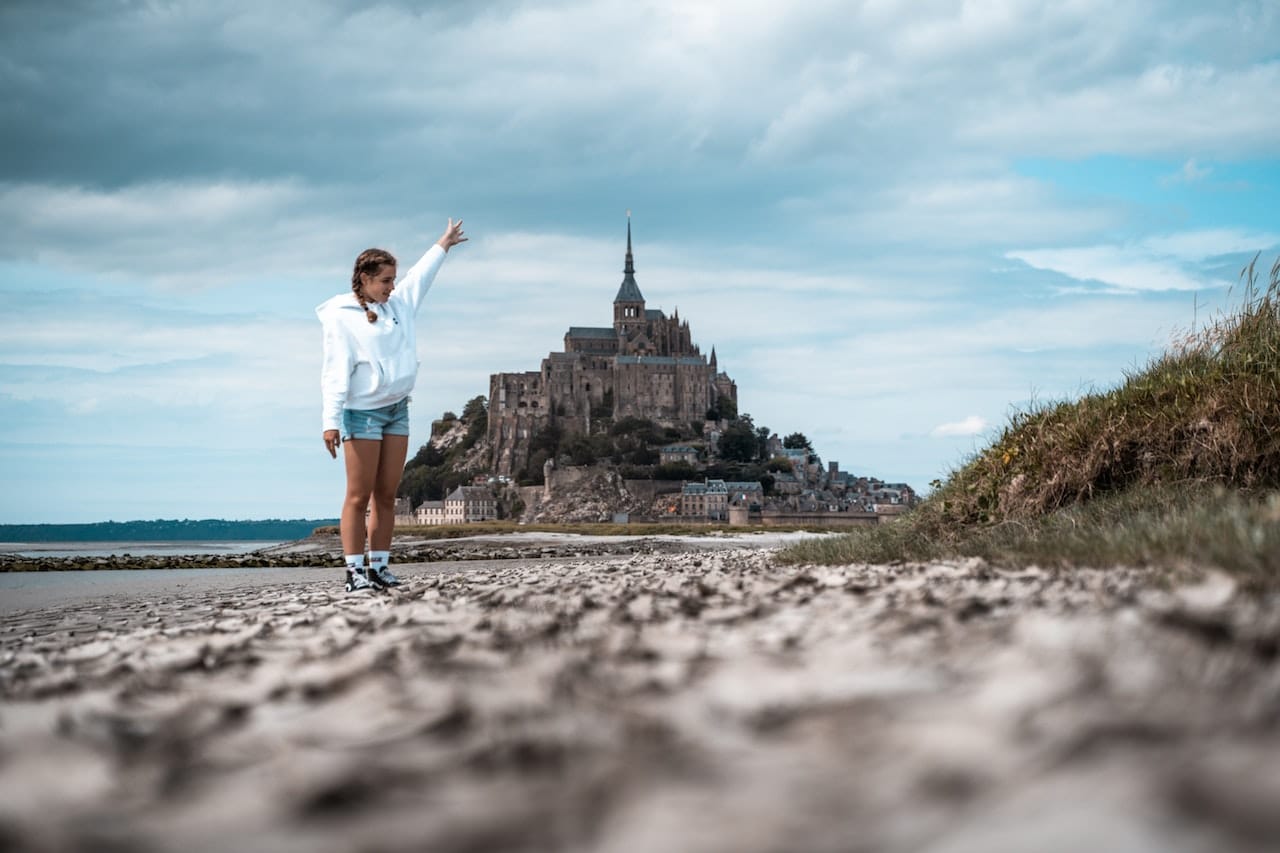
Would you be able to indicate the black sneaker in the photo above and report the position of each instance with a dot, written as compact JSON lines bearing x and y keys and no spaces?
{"x":382,"y":575}
{"x":357,"y":582}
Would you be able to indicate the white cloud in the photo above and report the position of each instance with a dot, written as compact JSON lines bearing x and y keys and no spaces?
{"x":972,"y":425}
{"x":1155,"y":263}
{"x":1115,"y":266}
{"x":1163,"y":110}
{"x":583,"y":89}
{"x":180,"y":235}
{"x":955,"y":209}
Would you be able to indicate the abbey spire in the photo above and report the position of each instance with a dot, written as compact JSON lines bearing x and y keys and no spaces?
{"x":628,"y":305}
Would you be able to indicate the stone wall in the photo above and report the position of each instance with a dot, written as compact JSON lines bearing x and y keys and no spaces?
{"x":741,"y":518}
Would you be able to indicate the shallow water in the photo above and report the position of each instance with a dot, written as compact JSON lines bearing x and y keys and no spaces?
{"x":20,"y":591}
{"x":136,"y":549}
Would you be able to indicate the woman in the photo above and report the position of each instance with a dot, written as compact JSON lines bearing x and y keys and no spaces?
{"x":370,"y":365}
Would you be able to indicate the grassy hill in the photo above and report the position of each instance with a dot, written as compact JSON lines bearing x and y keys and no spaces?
{"x":1178,"y":465}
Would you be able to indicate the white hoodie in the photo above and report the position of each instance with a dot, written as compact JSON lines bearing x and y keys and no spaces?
{"x":370,"y":365}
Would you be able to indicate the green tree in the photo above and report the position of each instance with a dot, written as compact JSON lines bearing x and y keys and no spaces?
{"x":738,"y":442}
{"x":675,"y":471}
{"x":421,"y":484}
{"x":762,"y":442}
{"x":587,"y":449}
{"x":632,"y":424}
{"x":476,"y":407}
{"x":476,"y":416}
{"x":797,"y":441}
{"x":427,"y":456}
{"x":643,"y":456}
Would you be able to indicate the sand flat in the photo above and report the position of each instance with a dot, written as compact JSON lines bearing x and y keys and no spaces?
{"x":700,"y":701}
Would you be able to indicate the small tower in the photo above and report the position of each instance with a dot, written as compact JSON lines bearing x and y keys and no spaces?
{"x":628,"y":305}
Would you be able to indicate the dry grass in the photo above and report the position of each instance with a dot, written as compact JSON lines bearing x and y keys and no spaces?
{"x":1203,"y":420}
{"x":1174,"y":527}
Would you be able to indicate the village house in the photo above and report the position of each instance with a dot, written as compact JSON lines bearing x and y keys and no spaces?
{"x":470,"y":503}
{"x":430,"y":513}
{"x":464,"y":504}
{"x":708,"y":499}
{"x":745,"y":493}
{"x":675,"y":453}
{"x":787,"y":484}
{"x":798,"y":457}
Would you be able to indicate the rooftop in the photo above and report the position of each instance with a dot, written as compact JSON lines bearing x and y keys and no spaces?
{"x":661,"y":359}
{"x":598,"y":332}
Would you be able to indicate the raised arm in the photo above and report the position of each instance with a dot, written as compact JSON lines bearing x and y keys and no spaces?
{"x":417,"y":281}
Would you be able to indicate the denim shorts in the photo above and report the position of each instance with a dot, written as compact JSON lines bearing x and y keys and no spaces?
{"x":375,"y":423}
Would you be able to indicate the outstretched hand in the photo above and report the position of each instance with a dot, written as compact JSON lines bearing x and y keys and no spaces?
{"x":452,"y":235}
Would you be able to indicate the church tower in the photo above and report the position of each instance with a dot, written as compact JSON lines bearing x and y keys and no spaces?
{"x":628,"y":305}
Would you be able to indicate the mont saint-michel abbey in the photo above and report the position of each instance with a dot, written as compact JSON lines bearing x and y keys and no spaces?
{"x":644,"y":365}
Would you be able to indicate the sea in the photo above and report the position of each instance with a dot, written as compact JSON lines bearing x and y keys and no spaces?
{"x":133,"y":549}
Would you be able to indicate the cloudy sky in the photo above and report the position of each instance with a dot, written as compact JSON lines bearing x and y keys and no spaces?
{"x":897,"y":221}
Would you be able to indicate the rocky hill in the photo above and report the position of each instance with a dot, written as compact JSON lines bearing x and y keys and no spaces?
{"x":591,"y":494}
{"x":456,"y":453}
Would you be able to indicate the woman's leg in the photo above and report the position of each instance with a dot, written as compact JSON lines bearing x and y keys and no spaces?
{"x":395,"y":449}
{"x":362,"y":460}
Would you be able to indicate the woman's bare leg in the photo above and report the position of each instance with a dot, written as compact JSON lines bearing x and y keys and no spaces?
{"x":362,"y":458}
{"x":395,"y":449}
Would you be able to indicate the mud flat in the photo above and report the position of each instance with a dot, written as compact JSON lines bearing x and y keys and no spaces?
{"x":708,"y":701}
{"x":326,"y":549}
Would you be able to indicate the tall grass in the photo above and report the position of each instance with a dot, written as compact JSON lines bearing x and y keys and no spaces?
{"x":1181,"y":526}
{"x":1186,"y":448}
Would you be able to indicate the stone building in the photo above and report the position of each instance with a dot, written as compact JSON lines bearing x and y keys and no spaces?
{"x":464,"y":504}
{"x":709,"y":499}
{"x":645,"y":365}
{"x":430,"y":513}
{"x":712,"y":499}
{"x":749,"y":493}
{"x":674,"y":453}
{"x":470,"y":503}
{"x":403,"y":511}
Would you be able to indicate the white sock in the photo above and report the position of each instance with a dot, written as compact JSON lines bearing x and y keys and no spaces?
{"x":355,"y":561}
{"x":379,"y":559}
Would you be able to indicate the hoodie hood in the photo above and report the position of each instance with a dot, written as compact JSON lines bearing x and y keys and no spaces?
{"x":342,"y":300}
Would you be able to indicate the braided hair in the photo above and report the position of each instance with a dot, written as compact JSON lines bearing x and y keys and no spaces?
{"x":369,"y":262}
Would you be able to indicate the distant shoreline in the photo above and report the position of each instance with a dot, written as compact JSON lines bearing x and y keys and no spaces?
{"x":137,"y":548}
{"x":165,"y":530}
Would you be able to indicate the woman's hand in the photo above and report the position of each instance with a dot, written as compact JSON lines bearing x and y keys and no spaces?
{"x":331,"y":442}
{"x":452,"y":235}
